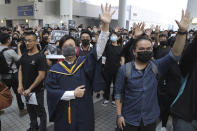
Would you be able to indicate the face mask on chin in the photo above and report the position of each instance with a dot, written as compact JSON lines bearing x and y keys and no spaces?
{"x":144,"y":56}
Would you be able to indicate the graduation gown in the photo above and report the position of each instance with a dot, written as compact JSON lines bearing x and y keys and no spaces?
{"x":58,"y":80}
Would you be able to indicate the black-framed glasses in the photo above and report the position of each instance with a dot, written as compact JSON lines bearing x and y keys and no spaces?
{"x":29,"y":41}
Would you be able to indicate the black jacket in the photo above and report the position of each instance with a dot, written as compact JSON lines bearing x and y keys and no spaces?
{"x":186,"y":106}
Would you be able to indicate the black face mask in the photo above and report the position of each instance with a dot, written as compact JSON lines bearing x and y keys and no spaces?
{"x":85,"y":42}
{"x":45,"y":38}
{"x":15,"y":39}
{"x":144,"y":56}
{"x":164,"y":43}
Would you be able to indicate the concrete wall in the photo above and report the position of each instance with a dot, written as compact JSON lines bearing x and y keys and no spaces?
{"x":2,"y":1}
{"x":88,"y":10}
{"x":49,"y":12}
{"x":192,"y":8}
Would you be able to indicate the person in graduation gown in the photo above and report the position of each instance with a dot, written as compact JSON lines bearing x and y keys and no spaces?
{"x":68,"y":83}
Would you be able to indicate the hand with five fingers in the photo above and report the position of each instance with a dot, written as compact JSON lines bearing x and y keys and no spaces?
{"x":106,"y":15}
{"x":139,"y":29}
{"x":185,"y":21}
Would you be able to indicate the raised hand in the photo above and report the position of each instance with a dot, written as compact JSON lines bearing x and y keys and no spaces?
{"x":20,"y":29}
{"x":38,"y":28}
{"x":106,"y":15}
{"x":139,"y":29}
{"x":134,"y":25}
{"x":157,"y":29}
{"x":185,"y":21}
{"x":151,"y":28}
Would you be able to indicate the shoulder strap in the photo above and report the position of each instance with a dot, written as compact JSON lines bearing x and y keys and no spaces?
{"x":4,"y":50}
{"x":127,"y":76}
{"x":128,"y":70}
{"x":10,"y":66}
{"x":154,"y":68}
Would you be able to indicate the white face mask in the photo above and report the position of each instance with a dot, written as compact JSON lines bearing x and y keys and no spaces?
{"x":173,"y":35}
{"x":37,"y":34}
{"x":79,"y":29}
{"x":93,"y":39}
{"x":114,"y":38}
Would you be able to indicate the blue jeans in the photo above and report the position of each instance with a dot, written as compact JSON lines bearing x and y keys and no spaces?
{"x":182,"y":125}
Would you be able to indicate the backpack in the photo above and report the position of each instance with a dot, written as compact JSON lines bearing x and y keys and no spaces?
{"x":128,"y":74}
{"x":129,"y":68}
{"x":5,"y":68}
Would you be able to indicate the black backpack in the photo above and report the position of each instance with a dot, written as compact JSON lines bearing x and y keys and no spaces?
{"x":5,"y":68}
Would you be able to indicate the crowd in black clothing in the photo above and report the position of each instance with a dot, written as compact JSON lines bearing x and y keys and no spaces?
{"x":118,"y":51}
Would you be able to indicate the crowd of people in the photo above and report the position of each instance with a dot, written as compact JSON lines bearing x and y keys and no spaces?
{"x":152,"y":72}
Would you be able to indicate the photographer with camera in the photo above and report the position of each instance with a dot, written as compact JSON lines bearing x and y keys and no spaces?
{"x":9,"y":71}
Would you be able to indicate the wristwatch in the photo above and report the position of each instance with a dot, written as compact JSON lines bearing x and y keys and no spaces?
{"x":182,"y":33}
{"x":118,"y":116}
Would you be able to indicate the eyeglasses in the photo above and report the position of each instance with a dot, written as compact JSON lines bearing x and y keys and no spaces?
{"x":29,"y":41}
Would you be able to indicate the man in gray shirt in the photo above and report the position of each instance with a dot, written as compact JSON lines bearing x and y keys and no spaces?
{"x":11,"y":79}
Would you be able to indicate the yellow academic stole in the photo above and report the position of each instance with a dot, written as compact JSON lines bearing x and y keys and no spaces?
{"x":70,"y":72}
{"x":69,"y":113}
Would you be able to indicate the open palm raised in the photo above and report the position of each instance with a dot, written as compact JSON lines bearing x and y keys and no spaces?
{"x":185,"y":21}
{"x":106,"y":15}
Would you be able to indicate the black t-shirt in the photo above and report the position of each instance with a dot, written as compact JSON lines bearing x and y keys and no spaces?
{"x":126,"y":52}
{"x":113,"y":55}
{"x":30,"y":66}
{"x":161,"y":52}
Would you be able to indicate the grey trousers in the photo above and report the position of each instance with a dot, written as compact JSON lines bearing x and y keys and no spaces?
{"x":182,"y":125}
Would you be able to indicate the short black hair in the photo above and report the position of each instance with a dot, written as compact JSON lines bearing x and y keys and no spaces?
{"x":134,"y":45}
{"x":45,"y":32}
{"x":86,"y":32}
{"x":4,"y":29}
{"x":4,"y":37}
{"x":131,"y":32}
{"x":72,"y":29}
{"x":113,"y":32}
{"x":191,"y":31}
{"x":162,"y":35}
{"x":30,"y":33}
{"x":64,"y":39}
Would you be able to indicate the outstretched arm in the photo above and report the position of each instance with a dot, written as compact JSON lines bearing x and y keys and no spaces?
{"x":181,"y":35}
{"x":103,"y":37}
